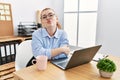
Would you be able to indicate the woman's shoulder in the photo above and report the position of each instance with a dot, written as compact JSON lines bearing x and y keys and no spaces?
{"x":38,"y":31}
{"x":62,"y":31}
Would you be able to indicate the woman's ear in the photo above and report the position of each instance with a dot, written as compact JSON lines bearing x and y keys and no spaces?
{"x":57,"y":18}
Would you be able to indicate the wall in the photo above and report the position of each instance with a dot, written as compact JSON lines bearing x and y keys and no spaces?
{"x":25,"y":10}
{"x":108,"y":30}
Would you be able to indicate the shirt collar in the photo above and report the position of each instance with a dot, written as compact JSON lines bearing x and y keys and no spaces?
{"x":45,"y":33}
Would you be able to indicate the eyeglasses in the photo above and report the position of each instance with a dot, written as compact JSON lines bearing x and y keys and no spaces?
{"x":50,"y":15}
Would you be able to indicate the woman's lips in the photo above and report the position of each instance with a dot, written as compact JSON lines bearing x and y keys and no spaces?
{"x":48,"y":21}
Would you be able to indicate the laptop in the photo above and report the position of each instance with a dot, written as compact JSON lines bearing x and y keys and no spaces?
{"x":78,"y":57}
{"x":74,"y":48}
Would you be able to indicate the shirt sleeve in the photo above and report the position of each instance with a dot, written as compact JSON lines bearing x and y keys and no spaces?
{"x":63,"y":41}
{"x":37,"y":47}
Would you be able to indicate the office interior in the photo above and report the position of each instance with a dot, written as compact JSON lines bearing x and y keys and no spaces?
{"x":100,"y":26}
{"x":107,"y":21}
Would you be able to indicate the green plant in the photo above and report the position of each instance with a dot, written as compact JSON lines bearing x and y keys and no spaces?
{"x":106,"y":65}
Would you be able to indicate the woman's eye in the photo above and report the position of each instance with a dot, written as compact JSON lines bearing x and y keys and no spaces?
{"x":44,"y":17}
{"x":51,"y":15}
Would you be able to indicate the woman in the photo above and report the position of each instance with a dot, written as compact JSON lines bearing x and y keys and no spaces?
{"x":50,"y":40}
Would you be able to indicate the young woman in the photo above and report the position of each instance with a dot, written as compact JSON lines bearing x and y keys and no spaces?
{"x":50,"y":40}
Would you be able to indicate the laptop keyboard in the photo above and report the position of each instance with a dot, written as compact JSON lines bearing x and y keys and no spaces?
{"x":74,"y":48}
{"x":63,"y":64}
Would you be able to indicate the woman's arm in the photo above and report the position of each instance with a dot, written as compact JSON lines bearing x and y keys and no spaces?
{"x":64,"y":42}
{"x":60,"y":50}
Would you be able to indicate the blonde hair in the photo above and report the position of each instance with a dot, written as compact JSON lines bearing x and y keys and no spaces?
{"x":58,"y":24}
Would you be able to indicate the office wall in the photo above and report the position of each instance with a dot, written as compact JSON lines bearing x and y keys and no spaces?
{"x":108,"y":29}
{"x":25,"y":10}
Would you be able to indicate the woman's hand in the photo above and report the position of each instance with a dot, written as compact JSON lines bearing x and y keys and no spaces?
{"x":66,"y":49}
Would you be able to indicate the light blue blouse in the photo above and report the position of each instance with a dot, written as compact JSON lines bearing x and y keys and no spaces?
{"x":42,"y":42}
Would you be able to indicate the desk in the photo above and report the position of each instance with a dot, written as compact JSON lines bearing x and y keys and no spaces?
{"x":84,"y":72}
{"x":13,"y":38}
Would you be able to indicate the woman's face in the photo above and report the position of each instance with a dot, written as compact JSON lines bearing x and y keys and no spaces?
{"x":48,"y":18}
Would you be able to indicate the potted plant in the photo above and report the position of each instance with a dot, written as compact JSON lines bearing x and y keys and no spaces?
{"x":106,"y":67}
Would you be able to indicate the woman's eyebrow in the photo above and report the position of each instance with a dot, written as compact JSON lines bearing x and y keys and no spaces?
{"x":47,"y":14}
{"x":50,"y":13}
{"x":44,"y":15}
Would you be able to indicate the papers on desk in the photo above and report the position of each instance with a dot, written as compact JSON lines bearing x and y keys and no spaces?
{"x":99,"y":56}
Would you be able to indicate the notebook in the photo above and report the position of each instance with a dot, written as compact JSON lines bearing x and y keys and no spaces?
{"x":78,"y":57}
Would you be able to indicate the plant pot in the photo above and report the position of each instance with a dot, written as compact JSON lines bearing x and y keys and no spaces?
{"x":105,"y":74}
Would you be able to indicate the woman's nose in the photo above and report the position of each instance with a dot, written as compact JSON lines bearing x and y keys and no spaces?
{"x":47,"y":17}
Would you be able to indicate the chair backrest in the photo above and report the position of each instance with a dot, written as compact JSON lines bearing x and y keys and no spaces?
{"x":23,"y":55}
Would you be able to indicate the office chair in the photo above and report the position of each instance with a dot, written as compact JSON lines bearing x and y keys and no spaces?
{"x":23,"y":54}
